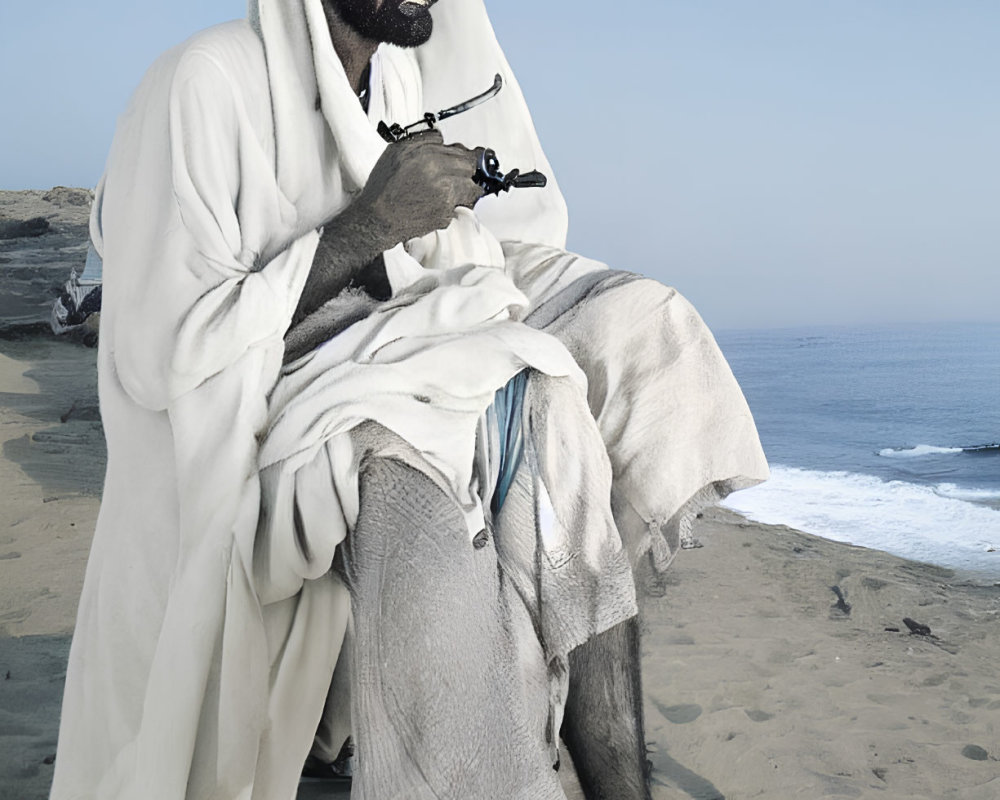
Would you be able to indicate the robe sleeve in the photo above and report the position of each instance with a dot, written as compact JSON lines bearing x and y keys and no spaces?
{"x":199,"y":289}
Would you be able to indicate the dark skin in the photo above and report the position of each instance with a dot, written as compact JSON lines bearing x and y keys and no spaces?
{"x":415,"y":188}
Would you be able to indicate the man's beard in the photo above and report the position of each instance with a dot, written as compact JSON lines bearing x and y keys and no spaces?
{"x":388,"y":24}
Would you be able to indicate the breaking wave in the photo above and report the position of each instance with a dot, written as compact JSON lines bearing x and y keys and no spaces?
{"x":933,"y":524}
{"x":933,"y":450}
{"x":983,"y":448}
{"x":969,"y":495}
{"x":918,"y":451}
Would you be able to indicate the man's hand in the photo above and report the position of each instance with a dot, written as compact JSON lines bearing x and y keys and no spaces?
{"x":414,"y":189}
{"x":417,"y":184}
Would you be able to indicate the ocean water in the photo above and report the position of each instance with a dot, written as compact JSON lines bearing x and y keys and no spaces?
{"x":887,"y":437}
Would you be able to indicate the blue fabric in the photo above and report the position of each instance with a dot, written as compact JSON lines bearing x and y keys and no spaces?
{"x":508,"y":406}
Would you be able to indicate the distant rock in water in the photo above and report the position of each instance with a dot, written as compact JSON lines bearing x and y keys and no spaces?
{"x":23,"y":228}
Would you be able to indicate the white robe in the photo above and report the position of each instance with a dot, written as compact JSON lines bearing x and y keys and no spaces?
{"x":183,"y":681}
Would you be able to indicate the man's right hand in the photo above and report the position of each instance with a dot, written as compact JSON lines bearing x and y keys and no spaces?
{"x":414,"y":189}
{"x":418,"y":183}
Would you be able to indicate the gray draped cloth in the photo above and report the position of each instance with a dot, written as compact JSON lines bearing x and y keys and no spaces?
{"x":661,"y":432}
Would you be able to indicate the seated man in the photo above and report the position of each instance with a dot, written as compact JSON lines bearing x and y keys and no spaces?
{"x":287,"y":460}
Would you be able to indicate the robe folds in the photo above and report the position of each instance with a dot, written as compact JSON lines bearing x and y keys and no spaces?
{"x":206,"y":633}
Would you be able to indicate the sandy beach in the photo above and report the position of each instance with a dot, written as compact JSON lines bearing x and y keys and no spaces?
{"x":776,"y":664}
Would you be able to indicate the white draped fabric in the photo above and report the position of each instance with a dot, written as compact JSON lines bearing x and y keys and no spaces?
{"x":195,"y":669}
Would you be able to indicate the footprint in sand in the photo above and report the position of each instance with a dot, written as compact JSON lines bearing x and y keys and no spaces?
{"x":975,"y":752}
{"x":756,"y":715}
{"x":17,"y":615}
{"x":680,"y":714}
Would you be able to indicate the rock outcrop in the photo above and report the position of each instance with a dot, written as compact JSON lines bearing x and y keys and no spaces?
{"x":43,"y":235}
{"x":23,"y":229}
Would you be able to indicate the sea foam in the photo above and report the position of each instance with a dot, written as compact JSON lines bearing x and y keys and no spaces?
{"x":918,"y":451}
{"x":909,"y":520}
{"x":989,"y":496}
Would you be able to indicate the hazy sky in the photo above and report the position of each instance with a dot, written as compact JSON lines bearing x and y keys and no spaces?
{"x":778,"y":161}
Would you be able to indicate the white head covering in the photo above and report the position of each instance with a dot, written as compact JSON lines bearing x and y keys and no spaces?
{"x":323,"y":154}
{"x":459,"y":62}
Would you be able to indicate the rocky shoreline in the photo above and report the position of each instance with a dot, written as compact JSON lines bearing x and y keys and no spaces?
{"x":43,"y":236}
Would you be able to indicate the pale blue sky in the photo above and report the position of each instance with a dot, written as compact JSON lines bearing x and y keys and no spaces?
{"x":779,"y":161}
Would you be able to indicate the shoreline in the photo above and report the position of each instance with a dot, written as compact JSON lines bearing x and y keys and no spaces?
{"x":957,"y":576}
{"x":907,"y":518}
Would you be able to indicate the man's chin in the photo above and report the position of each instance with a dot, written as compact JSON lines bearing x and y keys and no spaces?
{"x":390,"y":24}
{"x":419,"y":31}
{"x":408,"y":24}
